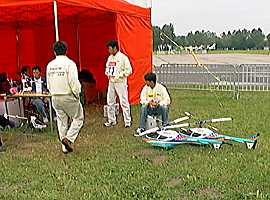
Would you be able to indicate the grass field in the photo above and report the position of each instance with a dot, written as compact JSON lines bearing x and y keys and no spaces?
{"x":109,"y":163}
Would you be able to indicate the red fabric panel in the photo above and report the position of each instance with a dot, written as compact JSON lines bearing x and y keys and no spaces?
{"x":135,"y":38}
{"x":44,"y":39}
{"x":8,"y":59}
{"x":35,"y":46}
{"x":68,"y":33}
{"x":26,"y":12}
{"x":94,"y":34}
{"x":35,"y":31}
{"x":27,"y":48}
{"x":117,"y":6}
{"x":22,"y":2}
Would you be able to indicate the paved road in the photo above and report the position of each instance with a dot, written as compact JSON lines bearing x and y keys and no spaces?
{"x":212,"y":59}
{"x":224,"y":70}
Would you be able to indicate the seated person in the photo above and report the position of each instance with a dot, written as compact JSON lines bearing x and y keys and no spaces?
{"x":4,"y":84}
{"x":88,"y":90}
{"x":25,"y":79}
{"x":154,"y":100}
{"x":39,"y":86}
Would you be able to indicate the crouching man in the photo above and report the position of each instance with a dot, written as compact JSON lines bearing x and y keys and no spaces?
{"x":64,"y":85}
{"x":154,"y":99}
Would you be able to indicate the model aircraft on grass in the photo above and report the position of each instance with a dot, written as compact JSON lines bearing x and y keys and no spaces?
{"x":32,"y":121}
{"x":193,"y":133}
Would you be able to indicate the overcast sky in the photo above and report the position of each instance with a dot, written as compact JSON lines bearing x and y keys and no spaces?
{"x":212,"y":15}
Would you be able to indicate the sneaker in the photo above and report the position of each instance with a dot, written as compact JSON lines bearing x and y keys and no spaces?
{"x":64,"y":150}
{"x":67,"y":144}
{"x":109,"y":124}
{"x":138,"y":132}
{"x":45,"y":120}
{"x":127,"y":125}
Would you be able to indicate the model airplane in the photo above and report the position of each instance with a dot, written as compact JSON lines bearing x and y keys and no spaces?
{"x":175,"y":134}
{"x":32,"y":121}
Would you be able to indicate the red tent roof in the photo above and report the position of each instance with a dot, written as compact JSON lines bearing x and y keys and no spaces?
{"x":124,"y":7}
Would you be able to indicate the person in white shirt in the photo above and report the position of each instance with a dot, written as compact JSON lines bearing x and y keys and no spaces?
{"x":39,"y":86}
{"x":65,"y":88}
{"x":154,"y":99}
{"x":25,"y":79}
{"x":118,"y":68}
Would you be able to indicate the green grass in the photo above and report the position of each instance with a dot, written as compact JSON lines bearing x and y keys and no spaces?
{"x":109,"y":163}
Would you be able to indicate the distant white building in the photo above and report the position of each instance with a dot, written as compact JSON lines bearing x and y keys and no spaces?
{"x":212,"y":47}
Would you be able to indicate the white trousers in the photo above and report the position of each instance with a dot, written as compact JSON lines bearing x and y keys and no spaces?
{"x":68,"y":107}
{"x":119,"y":89}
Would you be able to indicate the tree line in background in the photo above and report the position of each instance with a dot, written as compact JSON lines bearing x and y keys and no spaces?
{"x":235,"y":40}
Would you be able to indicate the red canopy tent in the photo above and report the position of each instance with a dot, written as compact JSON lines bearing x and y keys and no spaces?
{"x":27,"y":32}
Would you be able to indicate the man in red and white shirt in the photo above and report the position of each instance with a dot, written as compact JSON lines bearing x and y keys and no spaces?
{"x":118,"y":68}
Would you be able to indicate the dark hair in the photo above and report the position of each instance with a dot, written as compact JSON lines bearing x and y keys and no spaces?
{"x":150,"y":77}
{"x":113,"y":44}
{"x":86,"y":76}
{"x":36,"y":68}
{"x":60,"y":48}
{"x":25,"y":69}
{"x":3,"y":77}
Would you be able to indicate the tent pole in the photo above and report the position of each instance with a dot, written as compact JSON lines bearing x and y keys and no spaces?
{"x":78,"y":45}
{"x":55,"y":21}
{"x":116,"y":30}
{"x":17,"y":47}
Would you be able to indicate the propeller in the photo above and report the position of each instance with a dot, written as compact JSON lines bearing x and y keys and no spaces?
{"x":152,"y":130}
{"x":173,"y":125}
{"x":14,"y":116}
{"x":201,"y":122}
{"x":174,"y":121}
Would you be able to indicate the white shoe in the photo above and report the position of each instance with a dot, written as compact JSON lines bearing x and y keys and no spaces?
{"x":45,"y":120}
{"x":109,"y":124}
{"x":127,"y":125}
{"x":138,"y":132}
{"x":64,"y":150}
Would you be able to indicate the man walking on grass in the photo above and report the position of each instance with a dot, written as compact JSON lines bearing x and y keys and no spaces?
{"x":64,"y":85}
